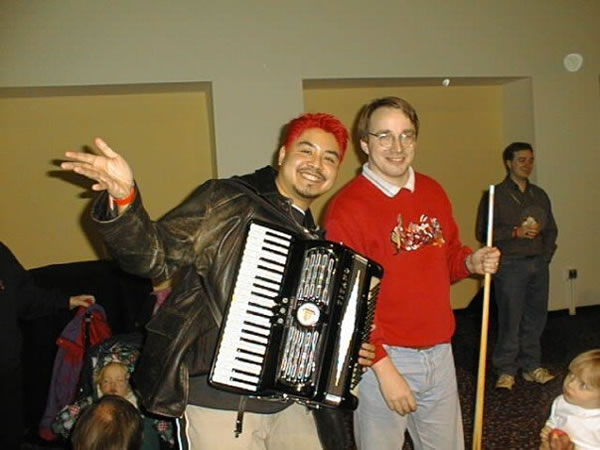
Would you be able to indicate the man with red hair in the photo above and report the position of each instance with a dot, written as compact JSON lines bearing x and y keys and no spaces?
{"x":202,"y":237}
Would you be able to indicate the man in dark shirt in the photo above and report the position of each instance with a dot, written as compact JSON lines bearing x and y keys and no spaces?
{"x":525,"y":232}
{"x":20,"y":298}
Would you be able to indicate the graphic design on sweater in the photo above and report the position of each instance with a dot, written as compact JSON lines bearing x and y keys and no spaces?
{"x":417,"y":235}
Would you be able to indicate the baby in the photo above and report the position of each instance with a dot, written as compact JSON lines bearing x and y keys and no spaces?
{"x":114,"y":379}
{"x":111,"y":375}
{"x":577,"y":411}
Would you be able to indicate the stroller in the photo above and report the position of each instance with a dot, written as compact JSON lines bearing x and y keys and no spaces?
{"x":119,"y":351}
{"x":88,"y":327}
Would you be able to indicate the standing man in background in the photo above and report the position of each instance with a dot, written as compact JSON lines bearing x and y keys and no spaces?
{"x":403,"y":220}
{"x":525,"y":232}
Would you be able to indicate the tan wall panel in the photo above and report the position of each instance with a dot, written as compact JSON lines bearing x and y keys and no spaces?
{"x":256,"y":56}
{"x":460,"y":142}
{"x":166,"y":136}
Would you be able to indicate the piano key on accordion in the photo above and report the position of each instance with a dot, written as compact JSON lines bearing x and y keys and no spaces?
{"x":299,"y":311}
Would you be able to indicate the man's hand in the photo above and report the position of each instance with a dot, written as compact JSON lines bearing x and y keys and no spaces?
{"x":485,"y":260}
{"x":110,"y":171}
{"x":395,"y":390}
{"x":366,"y":355}
{"x":527,"y":231}
{"x":81,"y":300}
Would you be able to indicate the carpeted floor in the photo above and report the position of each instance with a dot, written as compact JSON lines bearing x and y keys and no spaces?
{"x":513,"y":419}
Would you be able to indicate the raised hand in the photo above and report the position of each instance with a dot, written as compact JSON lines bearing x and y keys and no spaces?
{"x":110,"y":171}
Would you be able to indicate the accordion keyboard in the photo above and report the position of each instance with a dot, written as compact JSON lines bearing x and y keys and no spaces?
{"x":247,"y":330}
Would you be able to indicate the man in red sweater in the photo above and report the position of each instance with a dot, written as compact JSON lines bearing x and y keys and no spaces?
{"x":403,"y":220}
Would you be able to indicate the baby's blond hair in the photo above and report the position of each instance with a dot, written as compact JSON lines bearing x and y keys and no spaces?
{"x":586,"y":366}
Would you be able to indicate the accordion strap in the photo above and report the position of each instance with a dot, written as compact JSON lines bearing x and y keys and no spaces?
{"x":240,"y":416}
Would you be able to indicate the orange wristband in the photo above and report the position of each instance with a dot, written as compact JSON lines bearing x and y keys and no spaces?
{"x":126,"y":200}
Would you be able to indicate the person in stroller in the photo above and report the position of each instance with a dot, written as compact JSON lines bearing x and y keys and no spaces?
{"x":110,"y":423}
{"x":112,"y":365}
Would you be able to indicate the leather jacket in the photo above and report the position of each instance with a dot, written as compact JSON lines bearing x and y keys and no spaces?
{"x":201,"y":239}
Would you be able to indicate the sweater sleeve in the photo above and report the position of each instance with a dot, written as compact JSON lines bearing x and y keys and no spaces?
{"x":337,"y":226}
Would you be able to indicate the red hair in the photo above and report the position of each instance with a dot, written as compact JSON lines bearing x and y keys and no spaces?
{"x":324,"y":121}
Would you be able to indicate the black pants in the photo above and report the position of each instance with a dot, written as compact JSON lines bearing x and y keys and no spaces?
{"x":11,"y":410}
{"x":335,"y":428}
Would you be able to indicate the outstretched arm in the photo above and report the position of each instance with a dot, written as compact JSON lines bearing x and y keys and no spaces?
{"x":147,"y":248}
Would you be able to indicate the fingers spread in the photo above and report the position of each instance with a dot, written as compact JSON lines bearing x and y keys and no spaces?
{"x":81,"y":157}
{"x":104,"y":148}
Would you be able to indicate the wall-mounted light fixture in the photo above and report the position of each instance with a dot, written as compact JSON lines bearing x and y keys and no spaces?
{"x":573,"y":62}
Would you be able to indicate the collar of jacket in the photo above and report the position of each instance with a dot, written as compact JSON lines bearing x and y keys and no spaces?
{"x":262,"y":181}
{"x":508,"y":181}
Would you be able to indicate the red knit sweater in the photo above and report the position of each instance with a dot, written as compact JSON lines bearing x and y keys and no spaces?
{"x":413,"y":308}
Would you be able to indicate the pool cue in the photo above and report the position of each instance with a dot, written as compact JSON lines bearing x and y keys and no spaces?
{"x":479,"y":399}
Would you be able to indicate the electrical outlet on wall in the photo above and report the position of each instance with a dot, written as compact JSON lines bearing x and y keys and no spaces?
{"x":570,"y":273}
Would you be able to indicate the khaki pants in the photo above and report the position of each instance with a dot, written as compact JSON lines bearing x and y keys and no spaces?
{"x":290,"y":429}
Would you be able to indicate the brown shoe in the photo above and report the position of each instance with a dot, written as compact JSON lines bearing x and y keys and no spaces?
{"x":505,"y":381}
{"x":539,"y":375}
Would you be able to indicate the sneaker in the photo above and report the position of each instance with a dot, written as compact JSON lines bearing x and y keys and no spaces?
{"x":539,"y":375}
{"x":505,"y":381}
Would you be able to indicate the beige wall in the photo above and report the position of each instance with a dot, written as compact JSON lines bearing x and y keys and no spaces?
{"x":166,"y":137}
{"x":256,"y":56}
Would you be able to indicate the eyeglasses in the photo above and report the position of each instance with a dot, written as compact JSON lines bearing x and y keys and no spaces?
{"x":385,"y":140}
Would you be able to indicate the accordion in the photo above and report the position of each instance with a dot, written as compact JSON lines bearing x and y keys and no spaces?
{"x":299,"y":312}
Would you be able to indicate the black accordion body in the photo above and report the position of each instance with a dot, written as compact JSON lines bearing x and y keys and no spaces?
{"x":298,"y":314}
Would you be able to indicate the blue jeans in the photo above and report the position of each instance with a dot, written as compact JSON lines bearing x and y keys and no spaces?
{"x":521,"y":291}
{"x":437,"y":422}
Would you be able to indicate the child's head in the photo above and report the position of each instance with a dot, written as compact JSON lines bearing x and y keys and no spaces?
{"x":110,"y":423}
{"x":582,"y":384}
{"x":114,"y":379}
